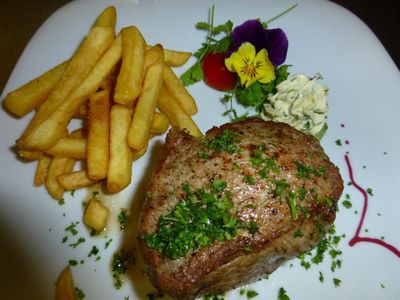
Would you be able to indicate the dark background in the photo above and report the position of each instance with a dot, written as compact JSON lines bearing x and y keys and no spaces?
{"x":19,"y":19}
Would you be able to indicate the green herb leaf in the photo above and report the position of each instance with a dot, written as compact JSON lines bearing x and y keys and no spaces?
{"x":193,"y":74}
{"x":203,"y":26}
{"x":347,"y":204}
{"x":282,"y":294}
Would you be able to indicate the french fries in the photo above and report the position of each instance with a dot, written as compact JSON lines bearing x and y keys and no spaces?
{"x":98,"y":135}
{"x":75,"y":180}
{"x":69,"y":147}
{"x":29,"y":154}
{"x":42,"y":170}
{"x":174,"y":58}
{"x":175,"y":113}
{"x":126,"y":93}
{"x":120,"y":163}
{"x":58,"y":166}
{"x":95,"y":44}
{"x":65,"y":289}
{"x":107,"y":18}
{"x":130,"y":77}
{"x":178,"y":91}
{"x":29,"y":96}
{"x":139,"y":129}
{"x":96,"y":215}
{"x":46,"y":134}
{"x":159,"y":124}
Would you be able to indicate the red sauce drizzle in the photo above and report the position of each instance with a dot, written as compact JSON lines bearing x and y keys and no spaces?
{"x":357,"y":238}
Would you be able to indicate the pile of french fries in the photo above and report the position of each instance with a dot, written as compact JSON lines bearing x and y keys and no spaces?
{"x":125,"y":91}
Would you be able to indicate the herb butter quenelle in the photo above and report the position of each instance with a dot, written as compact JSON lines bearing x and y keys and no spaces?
{"x":227,"y":209}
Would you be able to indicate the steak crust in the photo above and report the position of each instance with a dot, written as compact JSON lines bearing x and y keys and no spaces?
{"x":223,"y":265}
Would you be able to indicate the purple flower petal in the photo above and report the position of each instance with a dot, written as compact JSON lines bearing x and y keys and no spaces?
{"x":250,"y":31}
{"x":277,"y":46}
{"x":274,"y":40}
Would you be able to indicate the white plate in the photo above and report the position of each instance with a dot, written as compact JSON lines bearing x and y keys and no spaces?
{"x":364,"y":96}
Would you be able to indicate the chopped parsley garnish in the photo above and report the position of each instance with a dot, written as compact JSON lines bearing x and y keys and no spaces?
{"x":247,"y":248}
{"x":79,"y":293}
{"x":61,"y":201}
{"x":298,"y":233}
{"x":120,"y":263}
{"x":122,"y":218}
{"x":336,"y":282}
{"x":338,"y":142}
{"x":327,"y":245}
{"x":321,"y":277}
{"x":223,"y":142}
{"x":72,"y":262}
{"x":251,"y":294}
{"x":71,"y":228}
{"x":107,"y":243}
{"x":78,"y":242}
{"x":282,"y":294}
{"x":200,"y":218}
{"x":347,"y":204}
{"x":94,"y":251}
{"x":304,"y":171}
{"x":370,"y":192}
{"x":249,"y":179}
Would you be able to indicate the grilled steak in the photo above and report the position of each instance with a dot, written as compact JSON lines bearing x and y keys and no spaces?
{"x":229,"y":208}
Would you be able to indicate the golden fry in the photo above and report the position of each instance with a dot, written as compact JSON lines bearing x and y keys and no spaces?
{"x":93,"y":47}
{"x":75,"y":180}
{"x":120,"y":164}
{"x":79,"y":133}
{"x":175,"y":113}
{"x":29,"y":154}
{"x":81,"y":113}
{"x":178,"y":91}
{"x":41,"y":170}
{"x":173,"y":58}
{"x":69,"y":147}
{"x":130,"y":77}
{"x":153,"y":55}
{"x":65,"y":289}
{"x":159,"y":124}
{"x":58,"y":166}
{"x":29,"y":96}
{"x":139,"y":130}
{"x":98,"y":135}
{"x":96,"y":215}
{"x":46,"y":134}
{"x":107,"y":18}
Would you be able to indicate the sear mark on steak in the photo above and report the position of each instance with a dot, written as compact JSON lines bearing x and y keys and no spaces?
{"x":279,"y":180}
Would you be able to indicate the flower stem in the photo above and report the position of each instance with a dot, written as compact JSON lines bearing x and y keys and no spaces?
{"x":281,"y":14}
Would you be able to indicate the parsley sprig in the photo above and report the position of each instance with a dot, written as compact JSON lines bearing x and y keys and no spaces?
{"x":212,"y":44}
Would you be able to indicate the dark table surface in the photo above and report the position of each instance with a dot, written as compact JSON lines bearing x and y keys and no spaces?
{"x":20,"y":19}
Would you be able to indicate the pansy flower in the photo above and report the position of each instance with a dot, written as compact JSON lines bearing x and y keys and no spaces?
{"x":250,"y":65}
{"x":273,"y":40}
